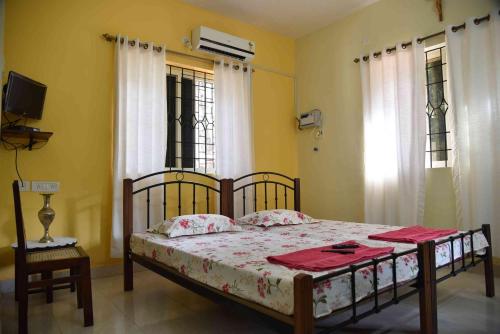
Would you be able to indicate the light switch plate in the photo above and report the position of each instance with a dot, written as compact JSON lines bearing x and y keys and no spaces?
{"x":45,"y":186}
{"x":24,"y":186}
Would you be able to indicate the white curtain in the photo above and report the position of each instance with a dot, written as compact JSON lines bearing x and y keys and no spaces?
{"x":393,"y":88}
{"x":139,"y":128}
{"x":474,"y":65}
{"x":233,"y":124}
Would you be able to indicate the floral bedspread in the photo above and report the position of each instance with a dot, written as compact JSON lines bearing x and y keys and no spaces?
{"x":235,"y":262}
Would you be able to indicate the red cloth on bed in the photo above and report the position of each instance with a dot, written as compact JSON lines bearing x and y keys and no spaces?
{"x":413,"y":234}
{"x":313,"y":259}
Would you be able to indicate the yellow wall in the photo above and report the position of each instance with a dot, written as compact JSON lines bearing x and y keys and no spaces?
{"x":328,"y":79}
{"x":58,"y":43}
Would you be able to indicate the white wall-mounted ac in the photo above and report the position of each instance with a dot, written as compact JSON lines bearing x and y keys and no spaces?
{"x":217,"y":42}
{"x":310,"y":119}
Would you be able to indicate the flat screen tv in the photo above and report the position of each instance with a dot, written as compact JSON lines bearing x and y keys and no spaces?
{"x":23,"y":96}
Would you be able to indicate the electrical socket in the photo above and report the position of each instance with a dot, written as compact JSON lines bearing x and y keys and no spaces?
{"x":45,"y":186}
{"x":24,"y":186}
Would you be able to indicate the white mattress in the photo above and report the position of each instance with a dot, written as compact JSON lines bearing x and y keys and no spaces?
{"x":236,"y":262}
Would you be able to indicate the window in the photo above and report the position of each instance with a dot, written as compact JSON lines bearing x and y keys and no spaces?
{"x":438,"y":133}
{"x":190,"y":120}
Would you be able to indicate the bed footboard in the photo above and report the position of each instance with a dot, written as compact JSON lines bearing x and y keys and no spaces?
{"x":424,"y":285}
{"x":460,"y":264}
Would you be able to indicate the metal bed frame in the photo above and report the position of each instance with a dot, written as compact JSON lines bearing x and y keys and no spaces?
{"x":302,"y":321}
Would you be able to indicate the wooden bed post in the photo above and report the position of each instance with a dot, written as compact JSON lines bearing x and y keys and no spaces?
{"x":427,"y":287}
{"x":128,"y":214}
{"x":303,"y":304}
{"x":296,"y":194}
{"x":226,"y":198}
{"x":488,"y":263}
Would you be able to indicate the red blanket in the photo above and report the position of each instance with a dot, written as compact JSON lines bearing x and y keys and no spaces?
{"x":314,"y":260}
{"x":413,"y":234}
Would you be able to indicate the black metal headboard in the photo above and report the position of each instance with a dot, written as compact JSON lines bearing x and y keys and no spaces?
{"x":182,"y":187}
{"x":260,"y":190}
{"x":268,"y":190}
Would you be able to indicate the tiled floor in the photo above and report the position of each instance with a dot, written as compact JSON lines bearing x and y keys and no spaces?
{"x":159,"y":306}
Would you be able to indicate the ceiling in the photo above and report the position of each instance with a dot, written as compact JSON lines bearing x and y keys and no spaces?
{"x":294,"y":18}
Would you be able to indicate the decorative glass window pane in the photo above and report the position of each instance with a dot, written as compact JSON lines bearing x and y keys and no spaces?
{"x":437,"y":147}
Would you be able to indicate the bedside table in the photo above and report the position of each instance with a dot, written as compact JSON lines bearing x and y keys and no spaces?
{"x":34,"y":245}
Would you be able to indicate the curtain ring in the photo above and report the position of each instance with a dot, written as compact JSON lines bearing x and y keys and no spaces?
{"x":160,"y":49}
{"x":419,"y":41}
{"x":245,"y":69}
{"x":454,"y":29}
{"x":145,"y":46}
{"x":132,"y":43}
{"x":403,"y":46}
{"x":236,"y":67}
{"x":365,"y":58}
{"x":388,"y":51}
{"x":375,"y":55}
{"x":122,"y":40}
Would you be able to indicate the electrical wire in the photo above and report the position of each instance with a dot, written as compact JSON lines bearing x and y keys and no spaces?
{"x":14,"y":147}
{"x":17,"y":169}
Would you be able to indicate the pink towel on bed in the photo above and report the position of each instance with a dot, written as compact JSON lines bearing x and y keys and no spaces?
{"x":313,"y":259}
{"x":413,"y":234}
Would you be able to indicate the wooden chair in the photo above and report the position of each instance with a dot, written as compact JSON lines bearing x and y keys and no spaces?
{"x":46,"y":262}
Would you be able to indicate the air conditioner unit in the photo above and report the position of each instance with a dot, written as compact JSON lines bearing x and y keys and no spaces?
{"x":310,"y":119}
{"x":217,"y":42}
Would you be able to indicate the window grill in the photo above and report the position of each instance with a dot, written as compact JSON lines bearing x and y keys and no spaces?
{"x":437,"y":146}
{"x":190,"y":120}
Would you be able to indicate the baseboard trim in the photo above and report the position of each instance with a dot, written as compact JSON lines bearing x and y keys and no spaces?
{"x":7,"y":286}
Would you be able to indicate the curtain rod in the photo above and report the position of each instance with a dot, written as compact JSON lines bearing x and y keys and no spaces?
{"x":421,"y":39}
{"x":111,"y":38}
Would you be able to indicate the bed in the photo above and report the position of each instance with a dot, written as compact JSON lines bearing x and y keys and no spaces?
{"x":231,"y":267}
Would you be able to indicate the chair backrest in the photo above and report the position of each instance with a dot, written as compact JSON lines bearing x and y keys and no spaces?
{"x":21,"y":236}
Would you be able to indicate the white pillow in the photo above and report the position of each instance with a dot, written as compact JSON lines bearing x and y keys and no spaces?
{"x":195,"y":224}
{"x":275,"y":217}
